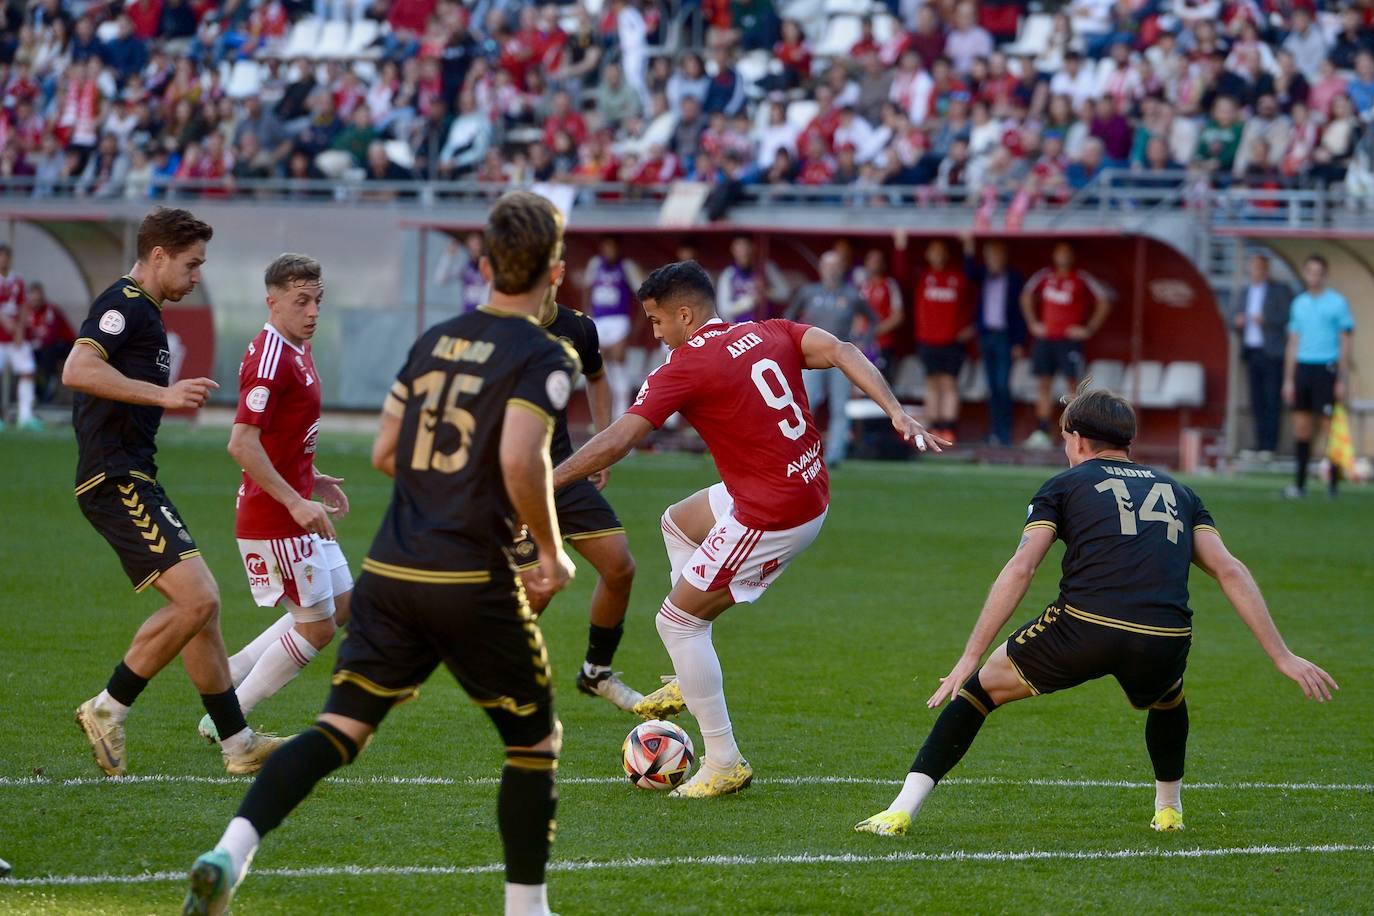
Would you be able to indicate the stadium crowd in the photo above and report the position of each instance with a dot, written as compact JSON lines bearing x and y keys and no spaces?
{"x":109,"y":98}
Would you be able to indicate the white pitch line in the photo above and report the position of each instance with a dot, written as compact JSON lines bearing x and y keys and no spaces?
{"x":43,"y":781}
{"x":960,"y":855}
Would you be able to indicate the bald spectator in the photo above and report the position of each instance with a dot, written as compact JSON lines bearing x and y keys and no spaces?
{"x":833,"y":304}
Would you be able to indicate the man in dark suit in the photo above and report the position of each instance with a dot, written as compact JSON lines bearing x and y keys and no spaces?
{"x":1259,"y":314}
{"x":1001,"y":327}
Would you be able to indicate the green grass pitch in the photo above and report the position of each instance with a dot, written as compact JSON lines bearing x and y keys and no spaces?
{"x":826,"y":678}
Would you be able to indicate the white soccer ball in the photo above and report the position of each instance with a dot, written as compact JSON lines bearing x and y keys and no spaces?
{"x":657,"y":755}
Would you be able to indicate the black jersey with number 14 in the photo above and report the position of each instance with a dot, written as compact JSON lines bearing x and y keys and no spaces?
{"x":449,"y":512}
{"x":1128,"y":536}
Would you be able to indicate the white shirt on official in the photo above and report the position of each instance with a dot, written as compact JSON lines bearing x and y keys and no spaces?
{"x":1254,"y":311}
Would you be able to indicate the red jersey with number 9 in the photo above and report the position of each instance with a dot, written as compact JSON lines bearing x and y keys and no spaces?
{"x":279,"y":392}
{"x":740,"y":386}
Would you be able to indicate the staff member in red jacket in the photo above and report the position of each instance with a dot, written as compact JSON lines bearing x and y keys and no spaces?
{"x":942,"y":331}
{"x":1056,"y":303}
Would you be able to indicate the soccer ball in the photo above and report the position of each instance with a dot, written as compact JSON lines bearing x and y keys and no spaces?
{"x":657,"y":755}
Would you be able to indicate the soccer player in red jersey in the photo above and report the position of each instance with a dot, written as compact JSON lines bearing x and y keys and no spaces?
{"x":741,"y":387}
{"x":1057,"y":303}
{"x":943,"y":329}
{"x":285,"y":537}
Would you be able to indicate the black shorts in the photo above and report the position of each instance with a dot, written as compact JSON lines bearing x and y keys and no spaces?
{"x":135,"y":516}
{"x":942,"y":359}
{"x":400,"y":631}
{"x":583,"y":513}
{"x":1057,"y":357}
{"x":1063,"y":648}
{"x":1314,"y":388}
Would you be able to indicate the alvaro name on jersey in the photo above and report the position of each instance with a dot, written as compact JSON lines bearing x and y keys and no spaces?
{"x":740,"y":386}
{"x":279,"y":392}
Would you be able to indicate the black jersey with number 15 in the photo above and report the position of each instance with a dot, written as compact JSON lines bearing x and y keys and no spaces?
{"x":449,"y":511}
{"x":1128,"y":536}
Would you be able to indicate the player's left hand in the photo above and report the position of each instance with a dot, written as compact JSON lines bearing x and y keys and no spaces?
{"x":600,"y":479}
{"x":1338,"y":392}
{"x":950,"y":683}
{"x":1316,"y":684}
{"x":330,"y":492}
{"x":912,"y":431}
{"x":554,"y":571}
{"x":1077,"y":332}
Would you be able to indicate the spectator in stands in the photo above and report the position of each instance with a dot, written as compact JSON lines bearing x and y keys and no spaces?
{"x":967,"y":40}
{"x":1361,"y":87}
{"x":794,"y":54}
{"x":1316,"y":365}
{"x":1063,"y":307}
{"x":687,"y":134}
{"x":832,"y":304}
{"x":105,"y":170}
{"x":1328,"y":85}
{"x":1259,"y":316}
{"x":1306,"y":42}
{"x":357,"y":136}
{"x":725,"y":91}
{"x":51,"y":337}
{"x":1112,"y":128}
{"x":615,"y":102}
{"x":1355,"y":38}
{"x":1339,"y":136}
{"x":1267,"y":123}
{"x":943,"y":330}
{"x":1220,"y":139}
{"x":995,"y":291}
{"x":632,"y":34}
{"x":1074,"y":80}
{"x":747,"y":290}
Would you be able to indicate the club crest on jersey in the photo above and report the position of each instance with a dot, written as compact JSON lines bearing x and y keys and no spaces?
{"x":256,"y":400}
{"x":524,"y":549}
{"x":164,"y":361}
{"x":112,"y":322}
{"x":171,"y":519}
{"x":558,"y":387}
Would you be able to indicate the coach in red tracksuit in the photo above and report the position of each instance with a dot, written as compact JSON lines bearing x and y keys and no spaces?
{"x":1063,"y":307}
{"x":943,"y":329}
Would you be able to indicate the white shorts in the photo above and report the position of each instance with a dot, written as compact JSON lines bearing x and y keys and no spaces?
{"x":308,"y":571}
{"x":612,"y":329}
{"x":17,"y":357}
{"x":745,"y":559}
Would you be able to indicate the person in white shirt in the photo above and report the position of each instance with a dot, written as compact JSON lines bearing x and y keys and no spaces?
{"x":1259,"y":315}
{"x":1074,"y":80}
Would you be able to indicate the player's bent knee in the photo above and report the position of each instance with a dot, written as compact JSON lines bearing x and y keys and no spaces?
{"x":349,"y":736}
{"x":319,"y":633}
{"x":973,"y":692}
{"x":620,"y":575}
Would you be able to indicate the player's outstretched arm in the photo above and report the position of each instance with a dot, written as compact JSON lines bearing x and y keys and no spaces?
{"x":823,"y":350}
{"x":599,"y":402}
{"x":245,"y":445}
{"x":605,"y":449}
{"x":86,"y":372}
{"x":1239,"y":587}
{"x":528,"y":476}
{"x":1006,"y":593}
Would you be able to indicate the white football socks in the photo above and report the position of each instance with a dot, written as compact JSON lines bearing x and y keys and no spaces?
{"x":688,"y":641}
{"x":242,"y":662}
{"x":118,"y":711}
{"x":279,"y":664}
{"x":1167,"y":795}
{"x":914,"y":791}
{"x":619,"y":381}
{"x":236,"y":743}
{"x":679,"y":546}
{"x":240,"y":840}
{"x":527,"y":899}
{"x":25,"y":398}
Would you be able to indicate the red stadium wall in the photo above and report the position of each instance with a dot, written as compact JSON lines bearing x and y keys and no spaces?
{"x":1163,"y":308}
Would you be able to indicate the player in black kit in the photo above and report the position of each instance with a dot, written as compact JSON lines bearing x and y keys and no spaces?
{"x":1130,"y":533}
{"x":586,"y":519}
{"x":465,"y":431}
{"x":120,"y":369}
